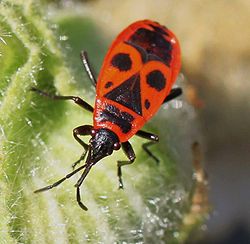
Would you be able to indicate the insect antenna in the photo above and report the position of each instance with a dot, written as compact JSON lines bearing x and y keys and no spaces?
{"x":61,"y":180}
{"x":88,"y":165}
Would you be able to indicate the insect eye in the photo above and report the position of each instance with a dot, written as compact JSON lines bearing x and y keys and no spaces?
{"x":117,"y":146}
{"x":93,"y":132}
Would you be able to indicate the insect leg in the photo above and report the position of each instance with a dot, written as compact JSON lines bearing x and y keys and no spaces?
{"x":175,"y":92}
{"x":153,"y":139}
{"x":75,"y":99}
{"x":83,"y":130}
{"x":78,"y":199}
{"x":79,"y":160}
{"x":89,"y":70}
{"x":128,"y":150}
{"x":78,"y":184}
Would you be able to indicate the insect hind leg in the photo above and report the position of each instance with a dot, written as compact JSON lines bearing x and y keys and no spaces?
{"x":87,"y":66}
{"x":174,"y":93}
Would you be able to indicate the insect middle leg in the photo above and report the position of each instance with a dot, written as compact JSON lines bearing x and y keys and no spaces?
{"x":175,"y":92}
{"x":75,"y":99}
{"x":153,"y":139}
{"x":128,"y":150}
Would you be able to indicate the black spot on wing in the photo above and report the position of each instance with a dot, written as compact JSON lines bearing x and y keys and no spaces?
{"x":147,"y":104}
{"x":128,"y":94}
{"x":116,"y":116}
{"x":122,"y":61}
{"x":153,"y":42}
{"x":156,"y":80}
{"x":108,"y":84}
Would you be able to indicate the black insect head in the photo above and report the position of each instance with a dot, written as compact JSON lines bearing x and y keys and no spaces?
{"x":102,"y":144}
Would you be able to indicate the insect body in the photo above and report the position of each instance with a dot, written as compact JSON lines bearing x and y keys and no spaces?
{"x":135,"y":79}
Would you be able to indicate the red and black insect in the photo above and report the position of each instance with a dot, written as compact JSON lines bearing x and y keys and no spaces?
{"x":135,"y":79}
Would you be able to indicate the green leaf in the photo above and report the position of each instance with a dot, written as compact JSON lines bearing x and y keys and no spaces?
{"x":37,"y":147}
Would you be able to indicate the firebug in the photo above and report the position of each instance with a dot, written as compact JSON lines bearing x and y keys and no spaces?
{"x":136,"y":78}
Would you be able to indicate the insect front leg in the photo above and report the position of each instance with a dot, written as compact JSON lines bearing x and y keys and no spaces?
{"x":75,"y":99}
{"x":89,"y":70}
{"x":78,"y":184}
{"x":153,"y":139}
{"x":83,"y":130}
{"x":129,"y":152}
